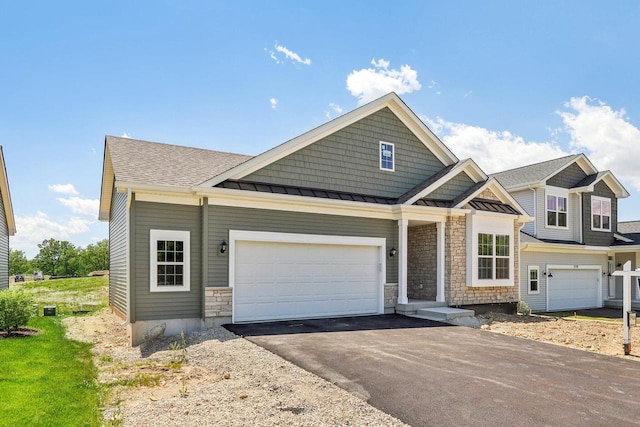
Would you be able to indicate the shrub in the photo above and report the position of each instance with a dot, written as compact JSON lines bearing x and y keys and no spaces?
{"x":523,"y":308}
{"x":15,"y":310}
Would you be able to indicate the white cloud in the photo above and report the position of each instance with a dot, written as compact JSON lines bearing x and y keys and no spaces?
{"x":294,"y":57}
{"x":67,"y":189}
{"x":611,"y":142}
{"x":494,"y":151}
{"x":273,"y":102}
{"x":34,"y":229}
{"x":368,"y":84}
{"x":333,"y":107}
{"x":81,"y":206}
{"x":125,"y":135}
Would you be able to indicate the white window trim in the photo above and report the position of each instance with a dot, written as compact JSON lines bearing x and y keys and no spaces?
{"x":556,"y":192}
{"x":484,"y":224}
{"x":154,"y":236}
{"x":602,"y":199}
{"x":531,"y":268}
{"x":393,"y":157}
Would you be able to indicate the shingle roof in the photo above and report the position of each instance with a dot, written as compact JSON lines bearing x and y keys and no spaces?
{"x":532,"y":173}
{"x":625,"y":227}
{"x":155,"y":163}
{"x":424,"y":184}
{"x":492,"y":206}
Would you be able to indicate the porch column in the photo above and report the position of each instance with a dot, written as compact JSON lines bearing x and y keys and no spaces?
{"x":402,"y":261}
{"x":440,"y":248}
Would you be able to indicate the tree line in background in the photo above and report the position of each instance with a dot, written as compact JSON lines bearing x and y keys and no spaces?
{"x":61,"y":258}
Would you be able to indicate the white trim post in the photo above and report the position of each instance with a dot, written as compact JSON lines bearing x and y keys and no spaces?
{"x":440,"y":249}
{"x":403,"y":235}
{"x":626,"y":274}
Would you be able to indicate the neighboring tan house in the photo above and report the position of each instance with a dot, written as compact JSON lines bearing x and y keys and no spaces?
{"x":568,"y":253}
{"x":369,"y":213}
{"x":7,"y":223}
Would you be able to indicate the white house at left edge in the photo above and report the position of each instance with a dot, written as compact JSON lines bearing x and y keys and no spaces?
{"x":7,"y":223}
{"x":369,"y":213}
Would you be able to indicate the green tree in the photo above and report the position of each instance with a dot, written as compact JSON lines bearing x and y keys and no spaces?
{"x":18,"y":263}
{"x":95,"y":257}
{"x":57,"y":258}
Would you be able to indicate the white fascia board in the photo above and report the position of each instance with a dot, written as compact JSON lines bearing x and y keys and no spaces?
{"x":520,"y":187}
{"x":427,"y":213}
{"x":562,"y":248}
{"x":628,"y":248}
{"x":500,"y":192}
{"x":582,"y":161}
{"x":613,"y":183}
{"x":153,"y":188}
{"x":391,"y":100}
{"x":622,"y":238}
{"x":106,"y":190}
{"x":6,"y":197}
{"x":468,"y":166}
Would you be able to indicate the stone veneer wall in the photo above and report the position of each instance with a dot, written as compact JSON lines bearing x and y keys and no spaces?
{"x":390,"y":297}
{"x":488,"y":195}
{"x":217,"y":302}
{"x":422,"y":263}
{"x":456,"y":290}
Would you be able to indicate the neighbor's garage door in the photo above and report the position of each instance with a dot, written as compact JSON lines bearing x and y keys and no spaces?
{"x":574,"y":288}
{"x":283,"y":280}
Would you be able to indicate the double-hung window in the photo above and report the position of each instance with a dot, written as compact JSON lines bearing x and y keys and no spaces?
{"x":387,"y":156}
{"x":170,"y":258}
{"x":534,"y":279}
{"x":556,"y":211}
{"x":600,"y":213}
{"x":493,"y":256}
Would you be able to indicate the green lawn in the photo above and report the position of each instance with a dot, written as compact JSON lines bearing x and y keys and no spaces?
{"x":69,"y":295}
{"x":48,"y":380}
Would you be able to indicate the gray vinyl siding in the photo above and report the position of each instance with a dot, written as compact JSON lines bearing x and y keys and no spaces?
{"x":575,"y":217}
{"x":621,"y":258}
{"x":222,"y":219}
{"x":538,"y":302}
{"x":568,"y":177}
{"x":118,"y":240}
{"x":599,"y":238}
{"x":570,"y":233}
{"x":452,"y":188}
{"x":526,"y":199}
{"x":349,"y":160}
{"x":4,"y":249}
{"x":166,"y":305}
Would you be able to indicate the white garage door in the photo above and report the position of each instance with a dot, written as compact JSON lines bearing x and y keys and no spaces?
{"x":289,"y":280}
{"x":574,"y":288}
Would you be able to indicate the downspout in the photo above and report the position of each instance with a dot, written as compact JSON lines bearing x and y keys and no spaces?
{"x":205,"y":253}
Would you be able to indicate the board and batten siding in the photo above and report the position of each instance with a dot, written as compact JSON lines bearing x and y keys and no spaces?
{"x":538,"y":302}
{"x":118,"y":263}
{"x":526,"y":199}
{"x":4,"y":249}
{"x":166,"y":305}
{"x":349,"y":160}
{"x":222,"y":219}
{"x":452,"y":188}
{"x":599,"y":238}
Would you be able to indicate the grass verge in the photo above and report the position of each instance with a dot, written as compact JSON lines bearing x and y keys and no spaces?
{"x":48,"y":380}
{"x":70,"y":296}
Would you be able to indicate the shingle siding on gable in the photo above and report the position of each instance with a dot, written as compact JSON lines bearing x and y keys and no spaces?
{"x":118,"y":233}
{"x":568,"y":177}
{"x":599,"y":238}
{"x":453,"y":188}
{"x":4,"y":249}
{"x":222,"y":219}
{"x":348,"y":160}
{"x":166,"y":305}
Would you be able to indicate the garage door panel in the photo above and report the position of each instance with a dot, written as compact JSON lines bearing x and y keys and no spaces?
{"x":574,"y":288}
{"x":295,"y":280}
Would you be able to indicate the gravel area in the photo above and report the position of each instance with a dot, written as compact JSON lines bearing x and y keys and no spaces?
{"x":225,"y":380}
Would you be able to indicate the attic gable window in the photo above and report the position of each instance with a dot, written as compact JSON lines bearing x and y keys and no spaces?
{"x":387,"y":156}
{"x":600,"y":214}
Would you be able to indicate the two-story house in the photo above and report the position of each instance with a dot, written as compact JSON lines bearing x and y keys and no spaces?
{"x":568,"y":253}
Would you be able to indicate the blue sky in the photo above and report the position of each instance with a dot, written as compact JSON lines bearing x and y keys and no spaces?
{"x":506,"y":83}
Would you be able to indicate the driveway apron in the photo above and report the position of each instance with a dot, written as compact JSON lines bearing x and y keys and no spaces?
{"x":428,"y":373}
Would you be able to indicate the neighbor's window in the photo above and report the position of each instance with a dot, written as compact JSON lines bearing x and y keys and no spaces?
{"x":534,"y":279}
{"x":169,"y":260}
{"x":387,"y":156}
{"x":556,"y":211}
{"x":600,"y":213}
{"x":493,"y":256}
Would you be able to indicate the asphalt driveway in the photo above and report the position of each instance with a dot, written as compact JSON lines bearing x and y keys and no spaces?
{"x":428,"y":373}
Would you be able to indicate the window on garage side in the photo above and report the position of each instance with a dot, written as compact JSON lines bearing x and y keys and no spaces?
{"x":169,"y":260}
{"x":493,"y":256}
{"x":556,"y":211}
{"x":534,"y":279}
{"x":387,"y":156}
{"x":600,"y":213}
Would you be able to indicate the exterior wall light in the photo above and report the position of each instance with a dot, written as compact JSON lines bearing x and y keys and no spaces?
{"x":547,"y":274}
{"x":393,"y":252}
{"x":223,"y":247}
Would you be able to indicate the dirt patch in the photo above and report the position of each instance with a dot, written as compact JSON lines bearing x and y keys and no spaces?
{"x":20,"y":333}
{"x":216,"y":378}
{"x":604,"y":337}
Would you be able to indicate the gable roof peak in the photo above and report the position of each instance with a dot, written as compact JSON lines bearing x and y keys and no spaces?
{"x":537,"y":172}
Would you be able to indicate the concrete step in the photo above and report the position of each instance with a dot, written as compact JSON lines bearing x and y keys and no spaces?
{"x":412,"y":306}
{"x":443,"y":314}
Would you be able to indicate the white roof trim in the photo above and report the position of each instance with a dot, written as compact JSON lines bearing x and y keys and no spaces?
{"x":503,"y":195}
{"x":106,"y":190}
{"x":391,"y":100}
{"x":468,"y":166}
{"x":622,"y":238}
{"x":582,"y":160}
{"x":6,"y":196}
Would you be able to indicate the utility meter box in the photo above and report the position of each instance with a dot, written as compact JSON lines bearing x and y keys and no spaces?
{"x":49,"y":310}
